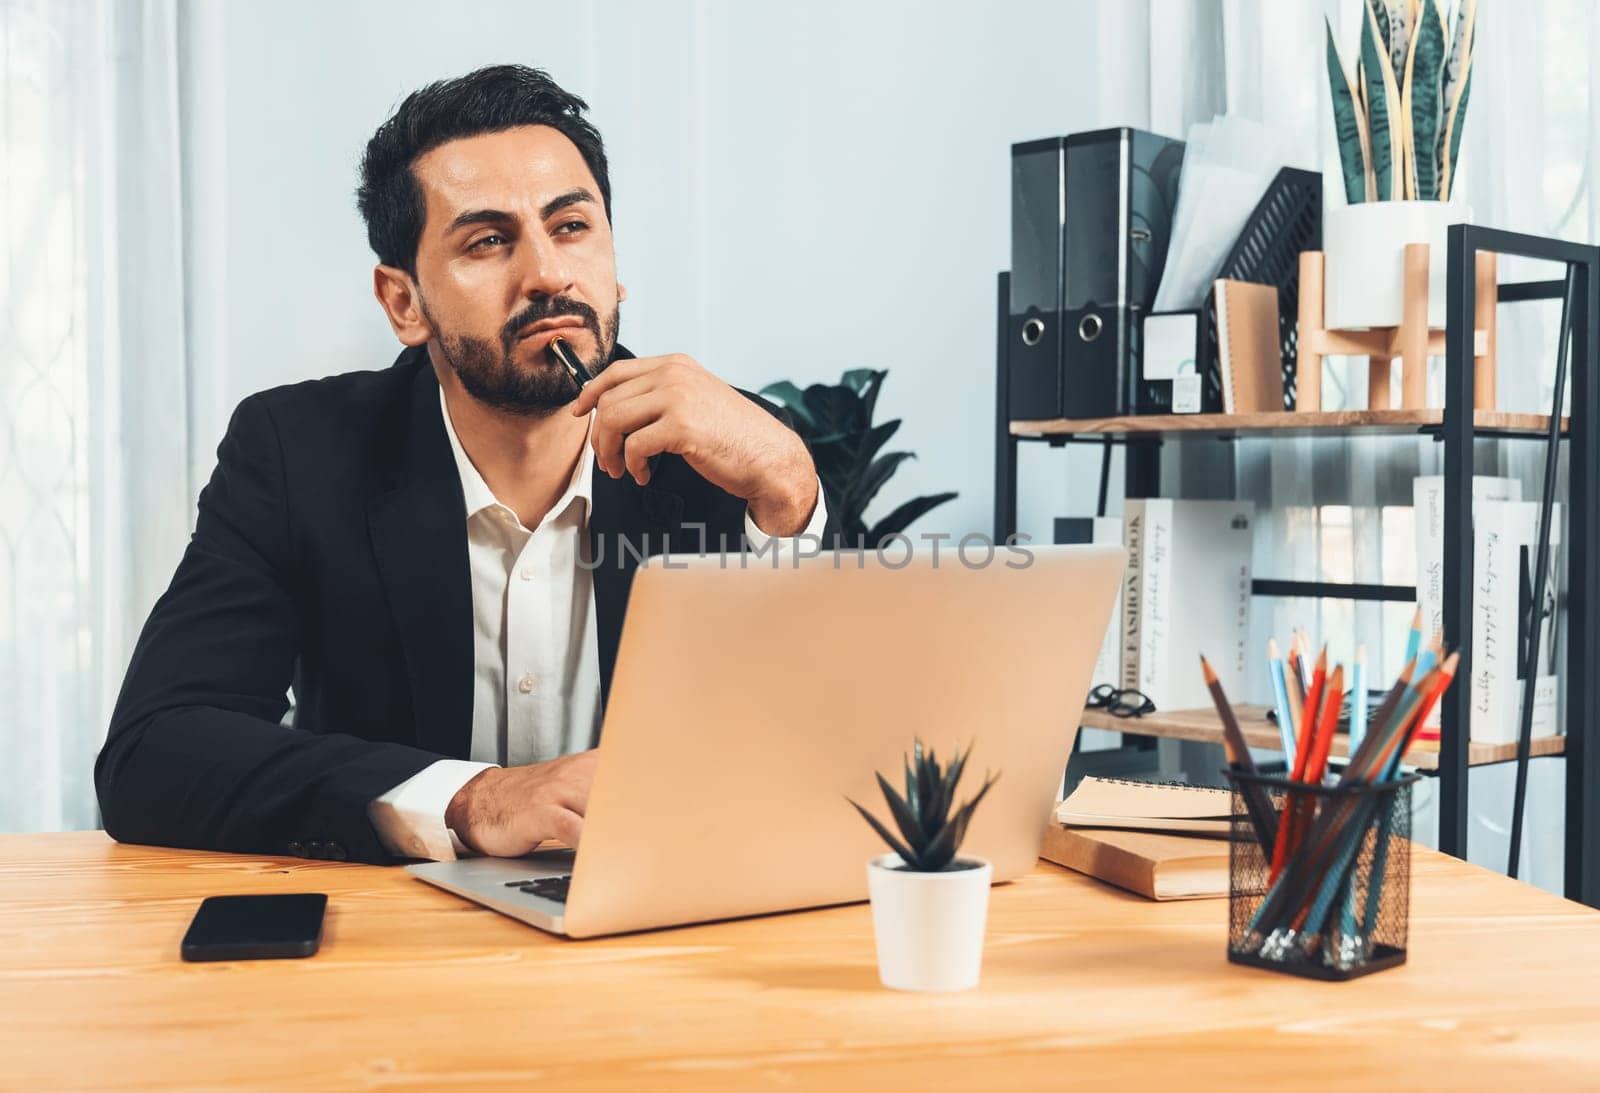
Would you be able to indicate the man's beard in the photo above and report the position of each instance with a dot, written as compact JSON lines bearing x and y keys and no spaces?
{"x":491,"y":374}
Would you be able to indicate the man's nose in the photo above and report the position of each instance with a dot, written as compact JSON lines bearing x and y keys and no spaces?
{"x":545,"y":270}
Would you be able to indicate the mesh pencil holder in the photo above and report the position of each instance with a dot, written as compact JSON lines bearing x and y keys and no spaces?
{"x":1340,"y":905}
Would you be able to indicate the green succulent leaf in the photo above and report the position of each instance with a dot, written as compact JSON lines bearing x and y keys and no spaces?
{"x":952,"y":776}
{"x":1454,"y":135}
{"x":1424,"y":94}
{"x":883,"y":832}
{"x":1348,"y":125}
{"x":929,"y":834}
{"x":905,"y":818}
{"x":1382,"y":107}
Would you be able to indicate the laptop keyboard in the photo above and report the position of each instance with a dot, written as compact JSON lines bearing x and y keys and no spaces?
{"x":551,"y":888}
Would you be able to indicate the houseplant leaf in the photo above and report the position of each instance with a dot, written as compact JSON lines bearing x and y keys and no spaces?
{"x":833,"y":408}
{"x":1383,"y":112}
{"x":1457,"y":72}
{"x":1453,"y":135}
{"x":942,"y":850}
{"x":1424,"y":99}
{"x":904,"y":818}
{"x":1348,"y":125}
{"x":883,"y":833}
{"x":898,"y":520}
{"x":1379,"y":11}
{"x":874,"y":439}
{"x":792,"y":398}
{"x":867,"y":487}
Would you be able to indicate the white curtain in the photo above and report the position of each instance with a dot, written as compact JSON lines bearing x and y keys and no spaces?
{"x":1340,"y":510}
{"x":94,"y":490}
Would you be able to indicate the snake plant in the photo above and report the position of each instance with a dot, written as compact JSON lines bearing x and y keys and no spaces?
{"x":930,"y":832}
{"x":1398,"y":119}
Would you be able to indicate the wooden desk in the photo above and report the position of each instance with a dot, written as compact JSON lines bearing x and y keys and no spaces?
{"x":1082,"y":985}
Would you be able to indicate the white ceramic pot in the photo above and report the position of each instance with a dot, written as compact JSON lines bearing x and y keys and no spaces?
{"x":928,"y":926}
{"x":1365,"y":245}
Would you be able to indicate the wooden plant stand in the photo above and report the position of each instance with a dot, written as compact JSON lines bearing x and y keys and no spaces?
{"x":1412,"y":342}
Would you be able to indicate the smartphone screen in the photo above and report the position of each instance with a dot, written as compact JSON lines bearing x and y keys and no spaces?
{"x":256,"y":927}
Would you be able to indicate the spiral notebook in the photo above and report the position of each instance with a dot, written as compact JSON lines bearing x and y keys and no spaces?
{"x":1162,"y":841}
{"x":1148,"y":806}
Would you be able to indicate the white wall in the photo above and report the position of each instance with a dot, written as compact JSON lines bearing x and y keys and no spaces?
{"x":798,"y":189}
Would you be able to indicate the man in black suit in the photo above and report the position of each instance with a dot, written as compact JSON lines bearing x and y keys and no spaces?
{"x":436,"y":556}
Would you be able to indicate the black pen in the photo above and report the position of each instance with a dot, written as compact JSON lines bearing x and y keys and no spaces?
{"x":562,"y":352}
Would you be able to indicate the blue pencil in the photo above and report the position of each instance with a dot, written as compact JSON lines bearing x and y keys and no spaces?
{"x":1358,"y":700}
{"x":1414,"y":639}
{"x":1280,"y":696}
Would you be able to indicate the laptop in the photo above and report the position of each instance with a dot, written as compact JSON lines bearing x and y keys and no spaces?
{"x":748,"y":703}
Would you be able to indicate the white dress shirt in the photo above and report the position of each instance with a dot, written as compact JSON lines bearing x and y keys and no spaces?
{"x":536,"y":665}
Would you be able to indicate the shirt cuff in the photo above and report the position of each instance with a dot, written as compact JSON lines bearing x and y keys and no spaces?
{"x":759,"y":539}
{"x":409,"y":819}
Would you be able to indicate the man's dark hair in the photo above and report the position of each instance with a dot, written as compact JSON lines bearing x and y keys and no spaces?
{"x":489,"y":100}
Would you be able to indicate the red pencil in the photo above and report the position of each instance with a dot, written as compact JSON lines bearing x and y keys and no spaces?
{"x":1441,"y":679}
{"x":1327,"y":726}
{"x":1302,"y":757}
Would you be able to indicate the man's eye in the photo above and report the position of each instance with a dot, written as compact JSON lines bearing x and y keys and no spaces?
{"x":577,"y":224}
{"x":481,"y":243}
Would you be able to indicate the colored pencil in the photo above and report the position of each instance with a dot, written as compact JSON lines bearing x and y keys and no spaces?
{"x":1358,"y":699}
{"x":1327,"y":727}
{"x":1287,"y":829}
{"x":1256,"y":801}
{"x":1414,"y":638}
{"x":1280,"y":699}
{"x":1379,"y":719}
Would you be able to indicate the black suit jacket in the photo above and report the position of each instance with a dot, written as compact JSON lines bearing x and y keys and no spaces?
{"x":330,"y":552}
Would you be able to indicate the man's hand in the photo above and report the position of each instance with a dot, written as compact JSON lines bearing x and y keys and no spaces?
{"x":672,"y":404}
{"x":506,"y":812}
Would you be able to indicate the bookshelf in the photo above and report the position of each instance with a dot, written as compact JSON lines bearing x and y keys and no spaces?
{"x":1340,"y":423}
{"x":1202,"y":726}
{"x":1457,"y":426}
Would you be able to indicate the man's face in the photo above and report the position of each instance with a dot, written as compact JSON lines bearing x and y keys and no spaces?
{"x":516,"y":237}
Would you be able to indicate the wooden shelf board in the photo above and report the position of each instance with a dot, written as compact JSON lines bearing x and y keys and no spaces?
{"x":1330,"y":423}
{"x":1203,"y":726}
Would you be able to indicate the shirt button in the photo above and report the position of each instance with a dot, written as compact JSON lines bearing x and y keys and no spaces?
{"x":525,"y":685}
{"x":527,"y":573}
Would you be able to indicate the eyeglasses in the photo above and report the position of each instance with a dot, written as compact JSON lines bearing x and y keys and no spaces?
{"x":1119,"y":702}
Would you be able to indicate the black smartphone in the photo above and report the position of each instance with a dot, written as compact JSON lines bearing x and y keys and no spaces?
{"x":256,"y":927}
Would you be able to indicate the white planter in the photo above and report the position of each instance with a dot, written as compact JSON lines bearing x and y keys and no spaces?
{"x":928,"y":926}
{"x":1365,"y":249}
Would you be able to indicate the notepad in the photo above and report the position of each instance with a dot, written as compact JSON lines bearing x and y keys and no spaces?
{"x":1148,"y":806}
{"x":1155,"y":866}
{"x":1249,"y":353}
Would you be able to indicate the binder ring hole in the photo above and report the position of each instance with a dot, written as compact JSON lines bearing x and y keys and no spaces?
{"x":1032,"y":331}
{"x":1089,"y":327}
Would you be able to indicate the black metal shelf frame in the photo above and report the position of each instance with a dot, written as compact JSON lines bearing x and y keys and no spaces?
{"x":1457,"y":433}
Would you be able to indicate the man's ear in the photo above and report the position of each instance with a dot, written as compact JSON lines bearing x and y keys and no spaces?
{"x":397,"y":294}
{"x":622,"y":292}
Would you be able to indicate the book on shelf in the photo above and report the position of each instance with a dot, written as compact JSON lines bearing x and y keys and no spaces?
{"x":1427,"y":494}
{"x":1187,"y":593}
{"x":1505,"y":607}
{"x":1108,"y":663}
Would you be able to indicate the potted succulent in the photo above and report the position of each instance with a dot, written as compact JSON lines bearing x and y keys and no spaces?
{"x":928,"y":905}
{"x":1398,"y":121}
